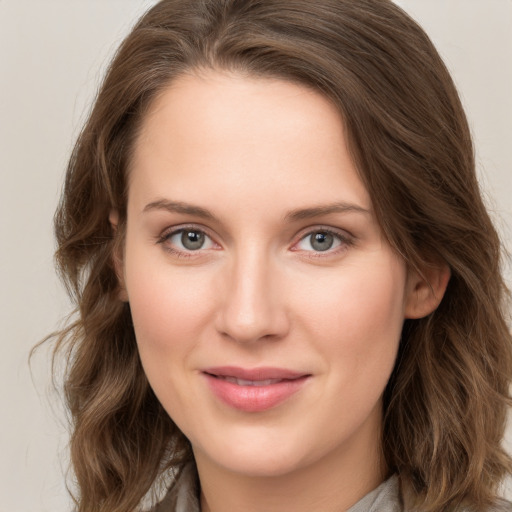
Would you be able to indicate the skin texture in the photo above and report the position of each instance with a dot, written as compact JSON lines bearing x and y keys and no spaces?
{"x":258,"y":294}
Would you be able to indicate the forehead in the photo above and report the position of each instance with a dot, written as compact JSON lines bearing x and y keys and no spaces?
{"x":215,"y":135}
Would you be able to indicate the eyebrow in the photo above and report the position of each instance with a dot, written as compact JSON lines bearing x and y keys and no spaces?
{"x":179,"y":207}
{"x":317,"y":211}
{"x":291,"y":216}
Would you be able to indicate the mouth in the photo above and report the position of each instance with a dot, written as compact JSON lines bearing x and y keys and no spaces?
{"x":254,"y":390}
{"x":244,"y":382}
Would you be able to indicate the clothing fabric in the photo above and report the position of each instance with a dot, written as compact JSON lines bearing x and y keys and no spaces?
{"x":183,"y":496}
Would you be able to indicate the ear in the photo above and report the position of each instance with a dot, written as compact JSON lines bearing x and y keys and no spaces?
{"x":117,"y":256}
{"x":426,"y":289}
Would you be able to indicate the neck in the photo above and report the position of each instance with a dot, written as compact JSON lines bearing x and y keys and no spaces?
{"x":333,"y":483}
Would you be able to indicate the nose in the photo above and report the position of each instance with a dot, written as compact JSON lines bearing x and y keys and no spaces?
{"x":252,"y":305}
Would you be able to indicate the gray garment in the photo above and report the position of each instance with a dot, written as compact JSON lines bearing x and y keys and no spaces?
{"x":386,"y":498}
{"x":183,"y":496}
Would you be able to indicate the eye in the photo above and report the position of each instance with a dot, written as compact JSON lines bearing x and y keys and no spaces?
{"x":187,"y":240}
{"x":322,"y":240}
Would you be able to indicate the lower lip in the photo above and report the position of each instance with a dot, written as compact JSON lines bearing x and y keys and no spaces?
{"x":254,"y":398}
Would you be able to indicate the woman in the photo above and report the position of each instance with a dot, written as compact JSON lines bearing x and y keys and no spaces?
{"x":288,"y":288}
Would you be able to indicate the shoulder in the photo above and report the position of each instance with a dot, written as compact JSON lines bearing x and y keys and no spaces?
{"x":387,"y":498}
{"x":501,"y":505}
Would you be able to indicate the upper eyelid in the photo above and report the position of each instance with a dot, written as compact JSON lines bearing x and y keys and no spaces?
{"x":342,"y":233}
{"x":303,"y":233}
{"x":165,"y":236}
{"x":343,"y":238}
{"x":172,"y":230}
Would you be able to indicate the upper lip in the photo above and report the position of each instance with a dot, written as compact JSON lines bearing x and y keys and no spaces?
{"x":255,"y":374}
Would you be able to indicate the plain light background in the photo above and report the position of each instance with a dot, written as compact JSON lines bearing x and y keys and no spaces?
{"x":52,"y":57}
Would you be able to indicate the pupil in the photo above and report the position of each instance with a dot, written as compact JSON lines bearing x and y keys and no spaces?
{"x":192,"y":240}
{"x":322,"y":241}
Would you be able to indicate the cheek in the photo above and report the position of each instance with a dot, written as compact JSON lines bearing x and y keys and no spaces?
{"x":374,"y":310}
{"x":357,"y":318}
{"x":168,"y":306}
{"x":169,"y":311}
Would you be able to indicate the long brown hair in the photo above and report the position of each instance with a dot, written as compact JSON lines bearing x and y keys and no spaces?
{"x":445,"y":405}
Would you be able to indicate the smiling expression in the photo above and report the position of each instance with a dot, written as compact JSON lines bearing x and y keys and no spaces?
{"x":266,"y":303}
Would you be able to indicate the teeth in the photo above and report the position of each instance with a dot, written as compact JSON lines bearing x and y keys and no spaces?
{"x":243,"y":382}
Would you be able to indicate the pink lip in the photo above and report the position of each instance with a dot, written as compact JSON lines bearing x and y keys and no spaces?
{"x":254,"y":398}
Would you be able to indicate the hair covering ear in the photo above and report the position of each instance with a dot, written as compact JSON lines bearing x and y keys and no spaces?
{"x":117,"y":255}
{"x":425,"y":290}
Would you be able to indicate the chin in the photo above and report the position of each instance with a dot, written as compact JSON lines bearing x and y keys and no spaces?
{"x":257,"y":456}
{"x":262,"y":465}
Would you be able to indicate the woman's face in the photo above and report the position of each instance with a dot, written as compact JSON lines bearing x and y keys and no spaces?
{"x":266,"y":303}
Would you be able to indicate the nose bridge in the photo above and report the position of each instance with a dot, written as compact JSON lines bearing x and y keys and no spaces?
{"x":252,"y":308}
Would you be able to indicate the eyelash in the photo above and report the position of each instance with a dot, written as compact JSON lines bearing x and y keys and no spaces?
{"x":168,"y":234}
{"x":344,"y":239}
